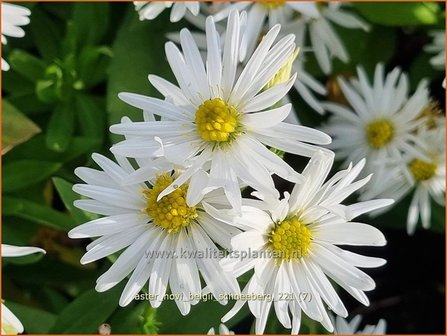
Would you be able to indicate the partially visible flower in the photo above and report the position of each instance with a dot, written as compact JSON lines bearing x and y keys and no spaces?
{"x":438,"y":47}
{"x":223,"y":330}
{"x":325,"y":42}
{"x":298,"y":17}
{"x":11,"y":325}
{"x":343,"y":327}
{"x":258,"y":12}
{"x":13,"y":17}
{"x":164,"y":240}
{"x":292,"y":247}
{"x":380,"y":122}
{"x":218,"y":121}
{"x":149,"y":10}
{"x":421,"y":170}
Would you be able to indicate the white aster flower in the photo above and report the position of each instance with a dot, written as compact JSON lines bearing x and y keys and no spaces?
{"x":438,"y":47}
{"x":324,"y":39}
{"x":150,"y":232}
{"x":11,"y":325}
{"x":223,"y":330}
{"x":149,"y":10}
{"x":298,"y":17}
{"x":380,"y":121}
{"x":292,"y":248}
{"x":422,"y":170}
{"x":13,"y":17}
{"x":343,"y":327}
{"x":217,"y":121}
{"x":276,"y":12}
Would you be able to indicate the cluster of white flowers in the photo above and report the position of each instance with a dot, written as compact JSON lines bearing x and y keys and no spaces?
{"x":176,"y":183}
{"x":175,"y":186}
{"x":402,"y":137}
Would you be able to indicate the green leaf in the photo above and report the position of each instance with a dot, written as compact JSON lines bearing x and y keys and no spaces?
{"x":36,"y":149}
{"x":16,"y":127}
{"x":137,"y":318}
{"x":20,"y":174}
{"x":87,"y":312}
{"x":46,"y":34}
{"x":130,"y":66}
{"x":27,"y":65}
{"x":28,"y":103}
{"x":68,"y":196}
{"x":15,"y":84}
{"x":93,"y":64}
{"x":87,"y":15}
{"x":91,"y":117}
{"x":61,"y":127}
{"x":400,"y":13}
{"x":172,"y":322}
{"x":54,"y":273}
{"x":34,"y":320}
{"x":25,"y":260}
{"x":38,"y":213}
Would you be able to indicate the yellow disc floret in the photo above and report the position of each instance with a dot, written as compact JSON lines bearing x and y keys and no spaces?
{"x":171,"y":212}
{"x":290,"y":239}
{"x":422,"y":170}
{"x":272,"y":4}
{"x":379,"y":133}
{"x":217,"y":121}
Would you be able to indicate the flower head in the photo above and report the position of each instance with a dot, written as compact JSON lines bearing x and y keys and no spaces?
{"x":149,"y":10}
{"x":13,"y":17}
{"x":217,"y":121}
{"x":163,"y":240}
{"x":422,"y":171}
{"x":380,"y":121}
{"x":292,"y":247}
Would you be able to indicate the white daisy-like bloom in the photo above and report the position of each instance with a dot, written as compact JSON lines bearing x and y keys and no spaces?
{"x":380,"y":121}
{"x":299,"y":17}
{"x":293,"y":250}
{"x":163,"y":242}
{"x":13,"y":17}
{"x":223,"y":330}
{"x":276,"y":12}
{"x":306,"y":85}
{"x":343,"y":327}
{"x":421,"y":170}
{"x":11,"y":325}
{"x":437,"y":47}
{"x":324,"y":40}
{"x":149,"y":10}
{"x":217,"y":121}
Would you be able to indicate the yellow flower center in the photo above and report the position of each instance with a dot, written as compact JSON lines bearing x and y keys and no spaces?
{"x":379,"y":133}
{"x":272,"y":4}
{"x":217,"y":121}
{"x":171,"y":212}
{"x":290,"y":239}
{"x":422,"y":170}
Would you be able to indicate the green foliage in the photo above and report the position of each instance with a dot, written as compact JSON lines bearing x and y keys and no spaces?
{"x":400,"y":14}
{"x":132,"y":76}
{"x":37,"y":321}
{"x":87,"y":312}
